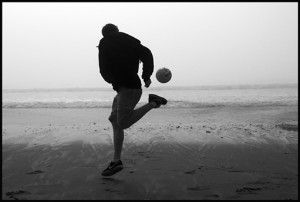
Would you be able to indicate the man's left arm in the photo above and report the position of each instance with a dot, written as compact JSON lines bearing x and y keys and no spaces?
{"x":105,"y":73}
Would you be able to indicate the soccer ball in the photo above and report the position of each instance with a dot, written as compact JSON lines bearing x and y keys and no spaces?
{"x":163,"y":75}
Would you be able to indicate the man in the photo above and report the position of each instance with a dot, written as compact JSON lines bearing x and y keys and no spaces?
{"x":119,"y":58}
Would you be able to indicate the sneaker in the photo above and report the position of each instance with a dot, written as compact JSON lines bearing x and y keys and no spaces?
{"x":113,"y":168}
{"x":157,"y":99}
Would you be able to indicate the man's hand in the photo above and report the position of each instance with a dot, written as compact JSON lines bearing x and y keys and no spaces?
{"x":147,"y":83}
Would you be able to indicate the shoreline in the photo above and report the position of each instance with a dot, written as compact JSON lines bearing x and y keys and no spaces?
{"x":187,"y":153}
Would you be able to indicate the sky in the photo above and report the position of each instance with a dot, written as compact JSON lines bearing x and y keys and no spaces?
{"x":53,"y":45}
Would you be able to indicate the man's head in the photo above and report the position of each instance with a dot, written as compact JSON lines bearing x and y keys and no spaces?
{"x":109,"y":29}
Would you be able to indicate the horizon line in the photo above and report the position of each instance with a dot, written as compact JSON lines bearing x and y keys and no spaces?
{"x":154,"y":87}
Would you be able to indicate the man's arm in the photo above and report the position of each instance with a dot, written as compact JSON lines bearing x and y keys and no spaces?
{"x":104,"y":71}
{"x":147,"y":60}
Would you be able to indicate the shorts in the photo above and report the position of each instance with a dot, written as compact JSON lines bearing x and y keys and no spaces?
{"x":124,"y":104}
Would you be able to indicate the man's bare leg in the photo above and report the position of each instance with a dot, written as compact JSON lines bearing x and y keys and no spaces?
{"x":118,"y":141}
{"x":154,"y":102}
{"x":118,"y":131}
{"x":137,"y":114}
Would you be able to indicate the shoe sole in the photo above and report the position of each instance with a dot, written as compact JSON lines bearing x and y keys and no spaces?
{"x":111,"y":172}
{"x":162,"y":100}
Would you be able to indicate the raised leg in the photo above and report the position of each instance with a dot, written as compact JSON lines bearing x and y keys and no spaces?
{"x":136,"y":115}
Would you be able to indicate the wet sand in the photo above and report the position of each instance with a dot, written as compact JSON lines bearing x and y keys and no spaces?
{"x":224,"y":153}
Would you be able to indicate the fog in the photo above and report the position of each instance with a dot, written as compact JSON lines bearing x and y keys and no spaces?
{"x":53,"y":45}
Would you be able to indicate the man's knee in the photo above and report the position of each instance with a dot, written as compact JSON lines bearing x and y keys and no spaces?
{"x":116,"y":122}
{"x":123,"y":118}
{"x":123,"y":123}
{"x":112,"y":118}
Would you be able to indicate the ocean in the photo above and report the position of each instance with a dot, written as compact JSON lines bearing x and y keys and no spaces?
{"x":179,"y":97}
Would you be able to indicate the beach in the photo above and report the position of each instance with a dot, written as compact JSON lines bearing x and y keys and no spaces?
{"x":209,"y":153}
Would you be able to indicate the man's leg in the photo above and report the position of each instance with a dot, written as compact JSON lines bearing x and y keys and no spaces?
{"x":120,"y":124}
{"x":118,"y":141}
{"x":122,"y":118}
{"x":118,"y":137}
{"x":118,"y":133}
{"x":136,"y":115}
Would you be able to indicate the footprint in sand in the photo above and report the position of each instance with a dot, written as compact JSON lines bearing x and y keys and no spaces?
{"x":111,"y":190}
{"x":212,"y":196}
{"x":197,"y":188}
{"x":35,"y":172}
{"x":192,"y":172}
{"x":247,"y":190}
{"x":235,"y":171}
{"x":16,"y":194}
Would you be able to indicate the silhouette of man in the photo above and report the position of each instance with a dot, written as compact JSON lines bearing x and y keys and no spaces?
{"x":119,"y":57}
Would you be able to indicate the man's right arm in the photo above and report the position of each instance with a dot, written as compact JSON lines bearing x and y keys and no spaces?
{"x":147,"y":59}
